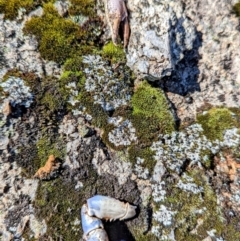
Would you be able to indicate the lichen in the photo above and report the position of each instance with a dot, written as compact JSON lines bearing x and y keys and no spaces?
{"x":109,"y":88}
{"x":17,"y":92}
{"x":192,"y":213}
{"x":135,"y":151}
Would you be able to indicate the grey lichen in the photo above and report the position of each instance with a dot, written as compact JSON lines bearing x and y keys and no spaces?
{"x":109,"y":88}
{"x":18,"y":93}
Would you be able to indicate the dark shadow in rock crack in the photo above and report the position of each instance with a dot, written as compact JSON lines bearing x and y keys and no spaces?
{"x":184,"y":78}
{"x":118,"y":230}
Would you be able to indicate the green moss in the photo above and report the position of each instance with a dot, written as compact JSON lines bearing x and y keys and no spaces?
{"x":113,"y":53}
{"x":215,"y":122}
{"x":73,"y":64}
{"x":52,"y":94}
{"x":58,"y":212}
{"x":139,"y":236}
{"x":151,"y":113}
{"x":231,"y":233}
{"x":187,"y":204}
{"x":85,"y":7}
{"x":10,"y":7}
{"x":58,"y":38}
{"x":147,"y":128}
{"x":47,"y":146}
{"x":236,"y":9}
{"x":145,"y":153}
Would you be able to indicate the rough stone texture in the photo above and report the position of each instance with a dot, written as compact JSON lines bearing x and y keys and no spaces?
{"x":198,"y":42}
{"x":20,"y":51}
{"x":161,"y":34}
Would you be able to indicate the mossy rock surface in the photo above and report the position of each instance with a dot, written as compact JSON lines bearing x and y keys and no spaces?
{"x":150,"y":115}
{"x":113,"y":53}
{"x":10,"y":7}
{"x":147,"y":154}
{"x":85,"y":7}
{"x":150,"y":102}
{"x":217,"y":120}
{"x":236,"y":9}
{"x":196,"y":213}
{"x":58,"y":37}
{"x":59,"y":202}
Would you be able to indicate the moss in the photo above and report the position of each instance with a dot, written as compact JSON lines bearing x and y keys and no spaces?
{"x":147,"y":128}
{"x":10,"y":8}
{"x":236,"y":116}
{"x":59,"y":213}
{"x":187,"y":205}
{"x":47,"y":146}
{"x":215,"y":122}
{"x":58,"y":38}
{"x":113,"y":53}
{"x":145,"y":153}
{"x":231,"y":233}
{"x":27,"y":76}
{"x":73,"y":64}
{"x":85,"y":7}
{"x":99,"y":116}
{"x":236,"y":9}
{"x":151,"y":113}
{"x":139,"y":236}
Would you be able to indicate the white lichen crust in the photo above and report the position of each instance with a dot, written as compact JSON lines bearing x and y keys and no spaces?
{"x":18,"y":93}
{"x":109,"y":90}
{"x":124,"y":133}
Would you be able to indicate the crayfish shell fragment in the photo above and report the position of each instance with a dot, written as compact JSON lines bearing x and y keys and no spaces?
{"x":97,"y":235}
{"x":109,"y":208}
{"x":89,"y":223}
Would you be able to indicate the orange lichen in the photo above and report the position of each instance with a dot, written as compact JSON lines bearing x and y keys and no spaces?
{"x":50,"y":166}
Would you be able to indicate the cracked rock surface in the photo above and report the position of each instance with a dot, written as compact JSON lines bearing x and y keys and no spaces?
{"x":191,"y":48}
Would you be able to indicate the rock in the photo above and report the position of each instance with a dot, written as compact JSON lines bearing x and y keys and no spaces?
{"x":159,"y":171}
{"x":4,"y":140}
{"x":188,"y":50}
{"x":20,"y":51}
{"x":7,"y":108}
{"x":21,"y":227}
{"x":160,"y":34}
{"x":37,"y":227}
{"x":6,"y":236}
{"x":62,"y":7}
